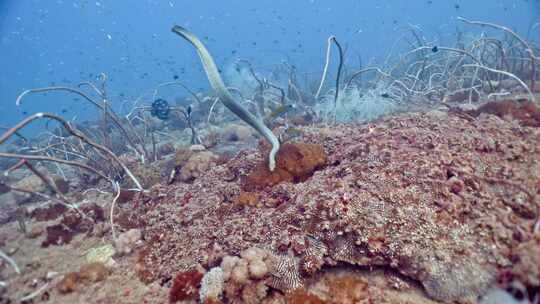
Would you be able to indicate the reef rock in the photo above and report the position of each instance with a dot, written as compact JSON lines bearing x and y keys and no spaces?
{"x":426,"y":195}
{"x":197,"y":164}
{"x":235,"y":132}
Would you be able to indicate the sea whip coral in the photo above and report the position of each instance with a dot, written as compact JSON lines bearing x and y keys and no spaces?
{"x":217,"y":84}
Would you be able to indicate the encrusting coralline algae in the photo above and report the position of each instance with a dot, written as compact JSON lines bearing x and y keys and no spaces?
{"x":431,"y":196}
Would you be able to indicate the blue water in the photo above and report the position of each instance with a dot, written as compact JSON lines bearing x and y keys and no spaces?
{"x":45,"y":42}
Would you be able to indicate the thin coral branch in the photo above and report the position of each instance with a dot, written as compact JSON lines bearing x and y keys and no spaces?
{"x":340,"y":67}
{"x":75,"y":133}
{"x":16,"y":134}
{"x":358,"y":73}
{"x":48,"y":183}
{"x":113,"y":204}
{"x":35,"y":293}
{"x":447,"y":49}
{"x":93,"y":87}
{"x":326,"y":64}
{"x":281,"y":91}
{"x":18,"y":101}
{"x":44,"y":196}
{"x":57,"y":160}
{"x":531,"y":95}
{"x":252,"y":72}
{"x":526,"y":45}
{"x":10,"y":261}
{"x":115,"y":119}
{"x":16,"y":166}
{"x":503,"y":28}
{"x":195,"y":140}
{"x":177,"y":83}
{"x":212,"y":109}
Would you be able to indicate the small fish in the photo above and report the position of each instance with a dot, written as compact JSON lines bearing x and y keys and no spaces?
{"x":435,"y":49}
{"x":175,"y":77}
{"x":281,"y":110}
{"x":385,"y":95}
{"x":64,"y":111}
{"x":24,"y":113}
{"x":456,"y":6}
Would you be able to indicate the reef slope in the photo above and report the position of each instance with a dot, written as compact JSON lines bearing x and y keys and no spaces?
{"x":441,"y":198}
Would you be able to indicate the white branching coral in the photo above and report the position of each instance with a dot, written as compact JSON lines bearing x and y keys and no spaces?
{"x":212,"y":284}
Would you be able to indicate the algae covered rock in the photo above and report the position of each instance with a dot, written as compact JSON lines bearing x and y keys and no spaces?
{"x":101,"y":254}
{"x":197,"y":164}
{"x":126,"y":241}
{"x":88,"y":273}
{"x":236,"y":132}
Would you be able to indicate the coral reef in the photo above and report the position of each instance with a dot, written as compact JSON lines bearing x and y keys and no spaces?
{"x":428,"y":195}
{"x":527,"y":269}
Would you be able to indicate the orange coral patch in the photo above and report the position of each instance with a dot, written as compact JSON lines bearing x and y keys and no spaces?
{"x":296,"y":162}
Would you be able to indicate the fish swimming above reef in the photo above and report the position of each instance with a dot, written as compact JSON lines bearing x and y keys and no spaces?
{"x":160,"y":109}
{"x":279,"y":111}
